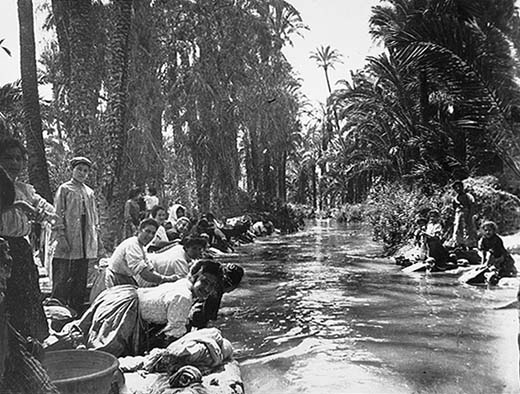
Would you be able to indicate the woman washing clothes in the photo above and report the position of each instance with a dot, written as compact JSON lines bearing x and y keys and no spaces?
{"x":118,"y":319}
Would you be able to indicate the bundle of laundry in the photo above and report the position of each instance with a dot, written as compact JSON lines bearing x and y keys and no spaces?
{"x":205,"y":349}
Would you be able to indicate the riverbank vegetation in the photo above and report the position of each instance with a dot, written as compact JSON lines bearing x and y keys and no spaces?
{"x":440,"y":103}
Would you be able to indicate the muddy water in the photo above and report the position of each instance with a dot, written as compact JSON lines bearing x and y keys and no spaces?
{"x":319,"y":313}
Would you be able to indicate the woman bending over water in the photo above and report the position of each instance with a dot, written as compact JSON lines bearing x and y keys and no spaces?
{"x":118,"y":319}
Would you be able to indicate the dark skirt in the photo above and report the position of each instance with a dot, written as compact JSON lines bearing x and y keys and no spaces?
{"x":23,"y":296}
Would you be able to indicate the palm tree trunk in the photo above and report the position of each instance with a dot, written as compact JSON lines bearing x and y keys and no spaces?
{"x":38,"y":170}
{"x":114,"y":179}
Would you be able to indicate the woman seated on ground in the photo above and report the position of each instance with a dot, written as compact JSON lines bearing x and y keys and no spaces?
{"x":130,"y":261}
{"x":494,"y":254}
{"x":119,"y":319}
{"x":205,"y":310}
{"x":175,"y":262}
{"x":161,"y":238}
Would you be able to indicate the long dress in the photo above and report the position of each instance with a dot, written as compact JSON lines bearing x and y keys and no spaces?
{"x":23,"y":296}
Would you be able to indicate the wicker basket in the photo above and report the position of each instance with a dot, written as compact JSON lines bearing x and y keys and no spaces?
{"x":81,"y":371}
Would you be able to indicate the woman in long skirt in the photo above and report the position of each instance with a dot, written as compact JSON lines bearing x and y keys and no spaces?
{"x":23,"y":297}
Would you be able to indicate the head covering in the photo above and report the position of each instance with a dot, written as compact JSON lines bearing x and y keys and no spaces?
{"x":232,"y":274}
{"x":489,"y":223}
{"x":80,"y":160}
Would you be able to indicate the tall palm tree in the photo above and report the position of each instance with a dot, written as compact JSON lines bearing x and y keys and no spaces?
{"x":38,"y":170}
{"x":326,"y":58}
{"x":114,"y":180}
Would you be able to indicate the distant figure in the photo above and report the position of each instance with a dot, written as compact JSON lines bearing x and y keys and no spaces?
{"x":151,"y":200}
{"x":464,"y":232}
{"x":131,"y":215}
{"x":434,"y":240}
{"x":494,"y":254}
{"x":180,"y":229}
{"x":76,"y":232}
{"x":161,"y":237}
{"x":175,"y":211}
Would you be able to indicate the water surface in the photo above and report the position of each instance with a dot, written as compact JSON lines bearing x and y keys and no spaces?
{"x":319,"y":312}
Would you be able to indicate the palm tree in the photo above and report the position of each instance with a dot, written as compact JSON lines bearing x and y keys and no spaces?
{"x":38,"y":170}
{"x":326,"y":58}
{"x":463,"y":51}
{"x":114,"y":180}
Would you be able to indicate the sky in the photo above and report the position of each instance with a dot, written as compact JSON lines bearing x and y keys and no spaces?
{"x":342,"y":24}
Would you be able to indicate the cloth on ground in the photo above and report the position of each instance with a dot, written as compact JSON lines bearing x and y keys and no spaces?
{"x":185,"y":376}
{"x":205,"y":349}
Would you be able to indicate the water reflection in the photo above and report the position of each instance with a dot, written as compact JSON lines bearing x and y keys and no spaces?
{"x":316,"y":315}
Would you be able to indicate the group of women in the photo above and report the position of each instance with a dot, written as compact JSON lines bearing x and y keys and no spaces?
{"x":142,"y":295}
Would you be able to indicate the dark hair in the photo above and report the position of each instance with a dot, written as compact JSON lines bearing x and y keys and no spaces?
{"x":190,"y":240}
{"x":232,"y":275}
{"x":134,"y":192}
{"x":205,"y":266}
{"x":155,"y":210}
{"x":152,"y":190}
{"x":148,"y":222}
{"x":7,"y":143}
{"x":6,"y":189}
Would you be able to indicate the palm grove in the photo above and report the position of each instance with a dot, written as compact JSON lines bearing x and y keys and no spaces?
{"x":196,"y":97}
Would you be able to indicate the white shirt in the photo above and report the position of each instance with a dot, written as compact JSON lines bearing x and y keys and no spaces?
{"x":129,"y":258}
{"x":151,"y":201}
{"x":173,"y":261}
{"x":167,"y":303}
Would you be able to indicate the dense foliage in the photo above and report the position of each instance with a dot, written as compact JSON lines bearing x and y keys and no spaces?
{"x":440,"y":102}
{"x":192,"y":97}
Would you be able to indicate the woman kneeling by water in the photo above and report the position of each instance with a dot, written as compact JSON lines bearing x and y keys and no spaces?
{"x":119,"y":319}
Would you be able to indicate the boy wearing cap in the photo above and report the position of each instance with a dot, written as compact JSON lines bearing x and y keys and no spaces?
{"x":76,"y":234}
